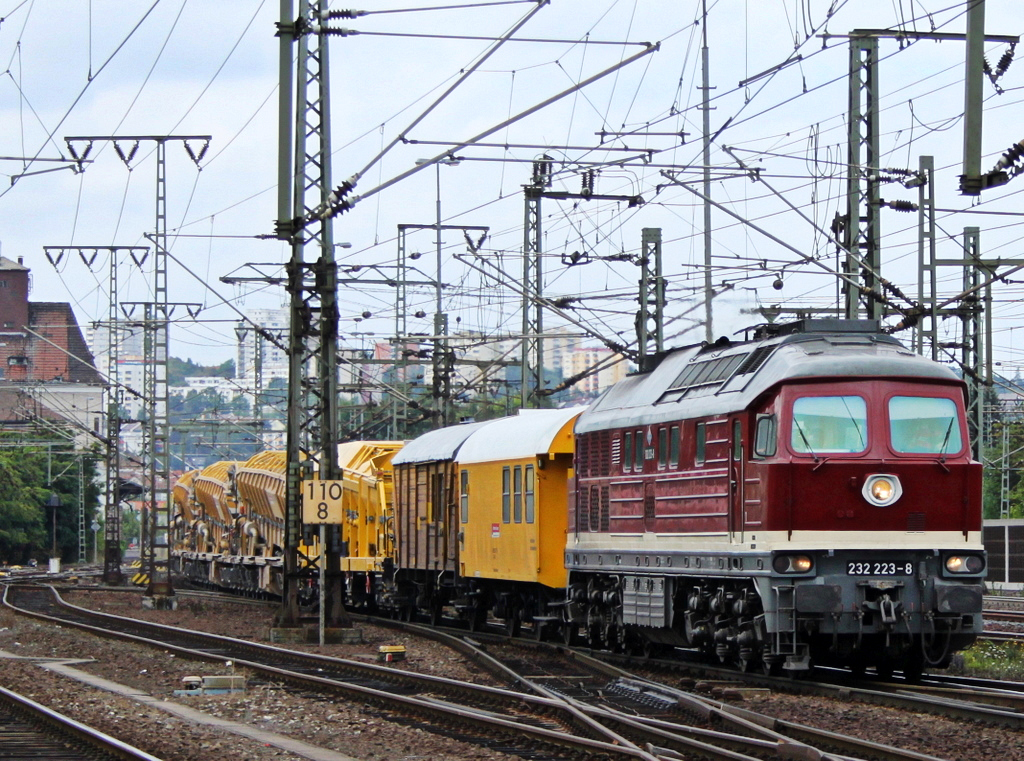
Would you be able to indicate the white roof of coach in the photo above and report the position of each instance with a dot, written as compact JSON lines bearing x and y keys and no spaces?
{"x":525,"y":435}
{"x":441,"y":444}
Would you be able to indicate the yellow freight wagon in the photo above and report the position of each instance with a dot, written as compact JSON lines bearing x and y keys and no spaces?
{"x":215,"y":491}
{"x":513,"y":484}
{"x":185,"y":508}
{"x":368,"y":537}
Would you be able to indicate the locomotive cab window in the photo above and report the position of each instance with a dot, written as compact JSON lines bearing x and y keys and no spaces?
{"x":924,"y":425}
{"x":673,"y":452}
{"x":764,"y":436}
{"x":737,"y":440}
{"x":638,"y":452}
{"x":662,"y":448}
{"x":627,"y":451}
{"x":701,"y":443}
{"x":829,"y":424}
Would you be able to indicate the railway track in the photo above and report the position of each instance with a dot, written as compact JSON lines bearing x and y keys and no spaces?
{"x":556,"y":700}
{"x":30,"y":731}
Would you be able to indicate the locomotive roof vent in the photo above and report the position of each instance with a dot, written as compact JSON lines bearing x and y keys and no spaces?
{"x":817,"y":325}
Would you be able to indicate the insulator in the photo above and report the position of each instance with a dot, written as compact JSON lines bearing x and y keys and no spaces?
{"x":1011,"y":156}
{"x":344,"y":13}
{"x":900,"y":205}
{"x":1004,"y":62}
{"x":985,"y":67}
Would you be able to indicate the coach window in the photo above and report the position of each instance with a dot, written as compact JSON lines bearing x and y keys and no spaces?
{"x":528,"y":494}
{"x":702,"y":439}
{"x":517,"y":494}
{"x":464,"y":495}
{"x":506,"y":495}
{"x":829,"y":424}
{"x":627,"y":451}
{"x":638,"y":452}
{"x":764,"y":436}
{"x":673,"y":452}
{"x":437,"y":498}
{"x":924,"y":425}
{"x":662,"y":448}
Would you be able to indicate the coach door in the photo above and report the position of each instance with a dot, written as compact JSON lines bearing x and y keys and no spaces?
{"x":736,"y":464}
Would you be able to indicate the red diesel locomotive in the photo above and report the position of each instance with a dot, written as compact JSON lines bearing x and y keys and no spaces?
{"x":806,"y":497}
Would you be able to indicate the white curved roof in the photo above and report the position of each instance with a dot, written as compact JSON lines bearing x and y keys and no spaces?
{"x":525,"y":435}
{"x":440,"y":444}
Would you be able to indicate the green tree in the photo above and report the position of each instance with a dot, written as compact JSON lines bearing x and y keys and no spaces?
{"x":28,"y":476}
{"x":179,"y":369}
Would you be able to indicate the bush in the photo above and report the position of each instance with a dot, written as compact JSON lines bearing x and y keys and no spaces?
{"x":995,"y":660}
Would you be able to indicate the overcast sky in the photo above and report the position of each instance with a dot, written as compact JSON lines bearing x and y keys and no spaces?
{"x":180,"y":67}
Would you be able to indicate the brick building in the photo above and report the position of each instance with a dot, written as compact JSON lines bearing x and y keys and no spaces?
{"x":44,"y":354}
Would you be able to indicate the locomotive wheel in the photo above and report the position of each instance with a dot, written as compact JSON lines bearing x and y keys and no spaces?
{"x":771,"y":667}
{"x":913,"y":665}
{"x":747,"y":663}
{"x":569,"y":631}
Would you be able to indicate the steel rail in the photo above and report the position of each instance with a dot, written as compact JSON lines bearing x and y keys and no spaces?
{"x":770,"y":736}
{"x":42,"y":726}
{"x":424,"y":708}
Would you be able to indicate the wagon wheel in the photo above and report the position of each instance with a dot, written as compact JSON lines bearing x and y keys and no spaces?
{"x":436,"y":613}
{"x":477,"y":617}
{"x":539,"y":628}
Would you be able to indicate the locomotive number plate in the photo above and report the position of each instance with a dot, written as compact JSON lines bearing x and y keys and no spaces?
{"x":879,"y":568}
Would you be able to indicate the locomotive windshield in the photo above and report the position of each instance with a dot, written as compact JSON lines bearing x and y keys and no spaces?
{"x":829,"y":424}
{"x":926,"y":425}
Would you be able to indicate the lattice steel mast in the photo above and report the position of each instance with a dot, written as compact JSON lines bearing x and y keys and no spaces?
{"x":304,"y":198}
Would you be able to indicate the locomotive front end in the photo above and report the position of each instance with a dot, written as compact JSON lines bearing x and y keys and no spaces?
{"x":877,"y":558}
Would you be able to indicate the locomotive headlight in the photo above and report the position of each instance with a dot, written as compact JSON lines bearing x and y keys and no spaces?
{"x":792,"y":563}
{"x":882,"y":489}
{"x":965,"y":564}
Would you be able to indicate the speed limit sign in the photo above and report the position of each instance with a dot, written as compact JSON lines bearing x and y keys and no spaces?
{"x":322,"y":501}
